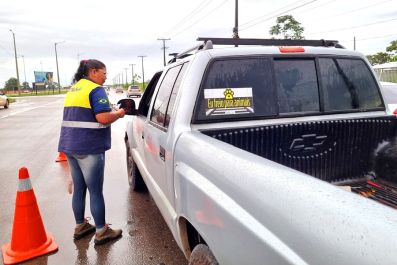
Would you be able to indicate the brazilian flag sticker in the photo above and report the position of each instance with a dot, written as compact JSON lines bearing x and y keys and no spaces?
{"x":103,"y":101}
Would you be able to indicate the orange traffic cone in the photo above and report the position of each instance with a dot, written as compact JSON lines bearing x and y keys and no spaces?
{"x":61,"y":157}
{"x":29,"y":238}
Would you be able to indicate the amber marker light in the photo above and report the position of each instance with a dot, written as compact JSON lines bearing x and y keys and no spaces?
{"x":289,"y":49}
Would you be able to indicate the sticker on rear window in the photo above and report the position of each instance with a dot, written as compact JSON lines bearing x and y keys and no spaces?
{"x":228,"y":101}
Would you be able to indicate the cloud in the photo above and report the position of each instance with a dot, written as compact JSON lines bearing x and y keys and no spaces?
{"x":118,"y":31}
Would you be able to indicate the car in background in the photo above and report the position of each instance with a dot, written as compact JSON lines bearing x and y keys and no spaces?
{"x":4,"y":102}
{"x":119,"y":90}
{"x":107,"y":89}
{"x":390,"y":95}
{"x":133,"y":91}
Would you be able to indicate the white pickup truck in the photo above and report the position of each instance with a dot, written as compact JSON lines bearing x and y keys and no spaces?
{"x":282,"y":152}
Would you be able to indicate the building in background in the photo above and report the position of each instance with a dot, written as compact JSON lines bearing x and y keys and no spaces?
{"x":387,"y":72}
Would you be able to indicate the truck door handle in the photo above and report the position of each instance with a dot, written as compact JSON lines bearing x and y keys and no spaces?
{"x":162,"y":153}
{"x":143,"y":135}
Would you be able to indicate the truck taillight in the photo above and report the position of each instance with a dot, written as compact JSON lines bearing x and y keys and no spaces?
{"x":291,"y":49}
{"x":395,"y":112}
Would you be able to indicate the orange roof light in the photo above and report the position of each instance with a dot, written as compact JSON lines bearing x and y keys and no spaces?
{"x":286,"y":49}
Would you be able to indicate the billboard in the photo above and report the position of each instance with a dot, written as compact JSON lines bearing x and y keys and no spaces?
{"x":43,"y":77}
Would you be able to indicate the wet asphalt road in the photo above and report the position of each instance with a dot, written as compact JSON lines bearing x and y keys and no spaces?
{"x":29,"y":132}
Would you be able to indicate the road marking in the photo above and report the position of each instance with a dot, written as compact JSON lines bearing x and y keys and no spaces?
{"x":28,"y":109}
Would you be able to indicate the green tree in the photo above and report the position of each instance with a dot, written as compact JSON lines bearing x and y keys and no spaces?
{"x":379,"y":58}
{"x":25,"y":85}
{"x":392,"y":48}
{"x":288,"y":27}
{"x":11,"y":84}
{"x":136,"y":77}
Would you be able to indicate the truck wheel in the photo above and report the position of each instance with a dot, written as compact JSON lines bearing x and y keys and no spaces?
{"x":202,"y":255}
{"x":134,"y":176}
{"x":6,"y":105}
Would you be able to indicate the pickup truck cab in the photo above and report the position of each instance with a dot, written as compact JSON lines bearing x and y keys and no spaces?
{"x":278,"y":153}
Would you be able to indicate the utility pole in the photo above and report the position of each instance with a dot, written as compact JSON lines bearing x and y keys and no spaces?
{"x":163,"y":47}
{"x":132,"y":72}
{"x":24,"y":69}
{"x":78,"y":57}
{"x":143,"y":72}
{"x":56,"y":59}
{"x":235,"y":29}
{"x":16,"y":61}
{"x":354,"y":42}
{"x":126,"y":76}
{"x":122,"y":78}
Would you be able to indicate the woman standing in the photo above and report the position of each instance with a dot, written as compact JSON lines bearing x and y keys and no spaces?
{"x":85,"y":136}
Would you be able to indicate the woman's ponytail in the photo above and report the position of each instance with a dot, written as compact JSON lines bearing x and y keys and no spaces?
{"x":85,"y":66}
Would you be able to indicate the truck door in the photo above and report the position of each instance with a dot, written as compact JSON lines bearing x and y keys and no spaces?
{"x":143,"y":110}
{"x":158,"y":137}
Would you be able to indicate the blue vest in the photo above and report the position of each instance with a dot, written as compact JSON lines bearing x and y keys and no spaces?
{"x":80,"y":132}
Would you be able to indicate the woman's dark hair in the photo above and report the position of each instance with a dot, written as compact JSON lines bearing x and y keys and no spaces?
{"x":85,"y":66}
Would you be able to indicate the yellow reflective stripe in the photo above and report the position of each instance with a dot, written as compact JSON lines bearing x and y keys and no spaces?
{"x":84,"y":124}
{"x":78,"y":95}
{"x":24,"y":185}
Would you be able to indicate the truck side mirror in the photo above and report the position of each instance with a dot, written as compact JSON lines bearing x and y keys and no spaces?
{"x":128,"y":105}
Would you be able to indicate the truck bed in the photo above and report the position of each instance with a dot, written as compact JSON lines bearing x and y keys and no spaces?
{"x":336,"y":151}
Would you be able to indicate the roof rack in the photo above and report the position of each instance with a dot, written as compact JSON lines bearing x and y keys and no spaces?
{"x":271,"y":42}
{"x":203,"y":46}
{"x":209,"y":42}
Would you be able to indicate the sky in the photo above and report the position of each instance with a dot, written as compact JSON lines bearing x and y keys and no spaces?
{"x":116,"y":32}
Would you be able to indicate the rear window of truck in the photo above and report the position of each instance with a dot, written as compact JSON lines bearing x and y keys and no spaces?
{"x":265,"y":87}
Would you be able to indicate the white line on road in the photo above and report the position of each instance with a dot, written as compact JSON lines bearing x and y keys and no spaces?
{"x":28,"y":109}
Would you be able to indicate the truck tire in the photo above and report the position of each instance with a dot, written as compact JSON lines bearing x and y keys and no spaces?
{"x":202,"y":255}
{"x":134,"y":176}
{"x":7,"y":104}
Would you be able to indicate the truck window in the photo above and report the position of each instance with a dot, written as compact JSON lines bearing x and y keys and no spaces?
{"x":241,"y":89}
{"x":348,"y":84}
{"x":296,"y":84}
{"x":144,"y":104}
{"x":236,"y":88}
{"x":175,"y":90}
{"x":159,"y":110}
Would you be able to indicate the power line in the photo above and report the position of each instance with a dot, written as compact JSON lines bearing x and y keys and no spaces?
{"x":195,"y":11}
{"x":283,"y":12}
{"x":269,"y":14}
{"x":379,"y":37}
{"x":354,"y":27}
{"x":315,"y":7}
{"x":201,"y":18}
{"x":358,"y":9}
{"x":371,"y":38}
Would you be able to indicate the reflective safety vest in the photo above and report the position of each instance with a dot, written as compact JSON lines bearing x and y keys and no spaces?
{"x":81,"y":133}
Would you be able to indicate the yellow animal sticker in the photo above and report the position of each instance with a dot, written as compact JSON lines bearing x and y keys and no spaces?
{"x":228,"y":101}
